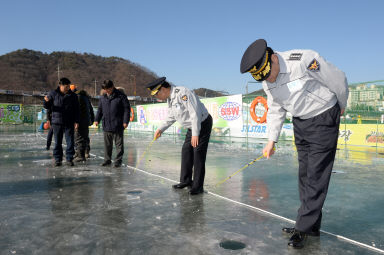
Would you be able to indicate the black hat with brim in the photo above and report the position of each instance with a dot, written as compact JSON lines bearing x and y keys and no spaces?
{"x":254,"y":55}
{"x":155,"y":85}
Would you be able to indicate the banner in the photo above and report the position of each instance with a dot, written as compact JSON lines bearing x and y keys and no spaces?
{"x":11,"y":113}
{"x":250,"y":128}
{"x":361,"y":134}
{"x":230,"y":118}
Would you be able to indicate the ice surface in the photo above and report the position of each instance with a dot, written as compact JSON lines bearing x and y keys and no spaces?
{"x":89,"y":209}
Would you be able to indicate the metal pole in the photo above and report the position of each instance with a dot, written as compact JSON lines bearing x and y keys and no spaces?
{"x":58,"y":72}
{"x":246,"y":86}
{"x":95,"y":87}
{"x":134,"y":83}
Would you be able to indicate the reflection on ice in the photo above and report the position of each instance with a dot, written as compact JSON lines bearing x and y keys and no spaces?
{"x":89,"y":209}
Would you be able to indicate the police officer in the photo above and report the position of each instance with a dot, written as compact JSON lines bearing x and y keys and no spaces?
{"x":315,"y":92}
{"x":185,"y":107}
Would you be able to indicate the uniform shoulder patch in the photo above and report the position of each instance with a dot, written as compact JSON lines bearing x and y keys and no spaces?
{"x":177,"y":90}
{"x":295,"y":56}
{"x":185,"y":98}
{"x":314,"y":66}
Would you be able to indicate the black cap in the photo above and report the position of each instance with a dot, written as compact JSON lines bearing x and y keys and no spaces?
{"x":254,"y":55}
{"x":155,"y":85}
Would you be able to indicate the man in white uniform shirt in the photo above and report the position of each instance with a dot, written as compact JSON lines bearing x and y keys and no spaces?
{"x":185,"y":107}
{"x":315,"y":92}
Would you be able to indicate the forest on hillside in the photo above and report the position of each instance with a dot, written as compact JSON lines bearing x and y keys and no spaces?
{"x":30,"y":70}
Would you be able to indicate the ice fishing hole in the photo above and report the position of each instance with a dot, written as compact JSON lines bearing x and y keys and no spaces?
{"x":134,"y":192}
{"x":232,"y":245}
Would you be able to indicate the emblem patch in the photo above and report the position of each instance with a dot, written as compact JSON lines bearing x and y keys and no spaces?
{"x":295,"y":56}
{"x":314,"y":66}
{"x":177,"y":90}
{"x":185,"y":98}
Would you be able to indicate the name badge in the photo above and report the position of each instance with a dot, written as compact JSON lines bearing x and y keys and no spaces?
{"x":295,"y":85}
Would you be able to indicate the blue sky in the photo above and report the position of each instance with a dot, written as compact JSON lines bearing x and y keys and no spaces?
{"x":200,"y":43}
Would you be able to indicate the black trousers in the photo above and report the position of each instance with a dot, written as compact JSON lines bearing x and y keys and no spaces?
{"x":316,"y":142}
{"x":81,"y":139}
{"x":195,"y":157}
{"x":58,"y":132}
{"x":49,"y":137}
{"x":118,"y":137}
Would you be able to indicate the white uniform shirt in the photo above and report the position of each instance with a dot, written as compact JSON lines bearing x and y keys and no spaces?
{"x":186,"y":108}
{"x":306,"y":86}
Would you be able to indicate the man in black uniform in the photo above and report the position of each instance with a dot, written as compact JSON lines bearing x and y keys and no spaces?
{"x":185,"y":107}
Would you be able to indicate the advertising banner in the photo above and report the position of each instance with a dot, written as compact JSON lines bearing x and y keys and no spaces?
{"x":226,"y":113}
{"x":361,"y":134}
{"x":250,"y":128}
{"x":11,"y":113}
{"x":230,"y":116}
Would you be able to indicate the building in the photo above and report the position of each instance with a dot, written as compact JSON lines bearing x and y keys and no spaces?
{"x":364,"y":95}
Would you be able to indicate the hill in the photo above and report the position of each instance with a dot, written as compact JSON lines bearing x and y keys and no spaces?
{"x":203,"y":92}
{"x":33,"y":70}
{"x":259,"y":92}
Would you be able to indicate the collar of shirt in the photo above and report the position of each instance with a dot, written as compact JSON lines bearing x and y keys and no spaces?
{"x":284,"y":68}
{"x":173,"y":93}
{"x":171,"y":96}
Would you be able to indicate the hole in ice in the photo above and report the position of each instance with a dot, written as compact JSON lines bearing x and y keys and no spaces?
{"x":134,"y":192}
{"x":232,"y":245}
{"x":337,"y":172}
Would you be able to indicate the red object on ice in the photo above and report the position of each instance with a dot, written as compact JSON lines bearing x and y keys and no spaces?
{"x":46,"y":125}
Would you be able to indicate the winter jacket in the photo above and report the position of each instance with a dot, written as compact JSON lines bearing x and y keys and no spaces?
{"x":114,"y":110}
{"x":87,"y":116}
{"x":65,"y":107}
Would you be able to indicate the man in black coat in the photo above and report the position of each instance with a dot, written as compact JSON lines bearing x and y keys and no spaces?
{"x":50,"y":132}
{"x":115,"y":109}
{"x":65,"y":119}
{"x":86,"y":119}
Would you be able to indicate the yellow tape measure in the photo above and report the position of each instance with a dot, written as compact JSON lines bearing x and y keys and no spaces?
{"x":241,"y":169}
{"x":146,"y":150}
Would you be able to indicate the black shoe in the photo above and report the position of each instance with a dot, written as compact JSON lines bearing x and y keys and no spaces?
{"x":297,"y":239}
{"x":57,"y":163}
{"x":69,"y":163}
{"x":117,"y":164}
{"x":106,"y":163}
{"x":181,"y":185}
{"x":291,"y":230}
{"x":79,"y":159}
{"x":196,"y":191}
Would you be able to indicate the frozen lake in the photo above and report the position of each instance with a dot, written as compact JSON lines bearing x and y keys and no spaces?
{"x":89,"y":209}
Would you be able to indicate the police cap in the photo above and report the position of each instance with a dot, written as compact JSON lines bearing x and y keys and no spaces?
{"x":155,"y":85}
{"x":253,"y":55}
{"x":257,"y":60}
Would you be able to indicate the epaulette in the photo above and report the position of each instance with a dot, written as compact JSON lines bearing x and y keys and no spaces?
{"x":295,"y":56}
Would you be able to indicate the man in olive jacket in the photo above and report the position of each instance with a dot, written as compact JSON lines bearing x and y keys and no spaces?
{"x":114,"y":109}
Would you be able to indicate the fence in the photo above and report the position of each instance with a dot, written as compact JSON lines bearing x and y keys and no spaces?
{"x":357,"y":128}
